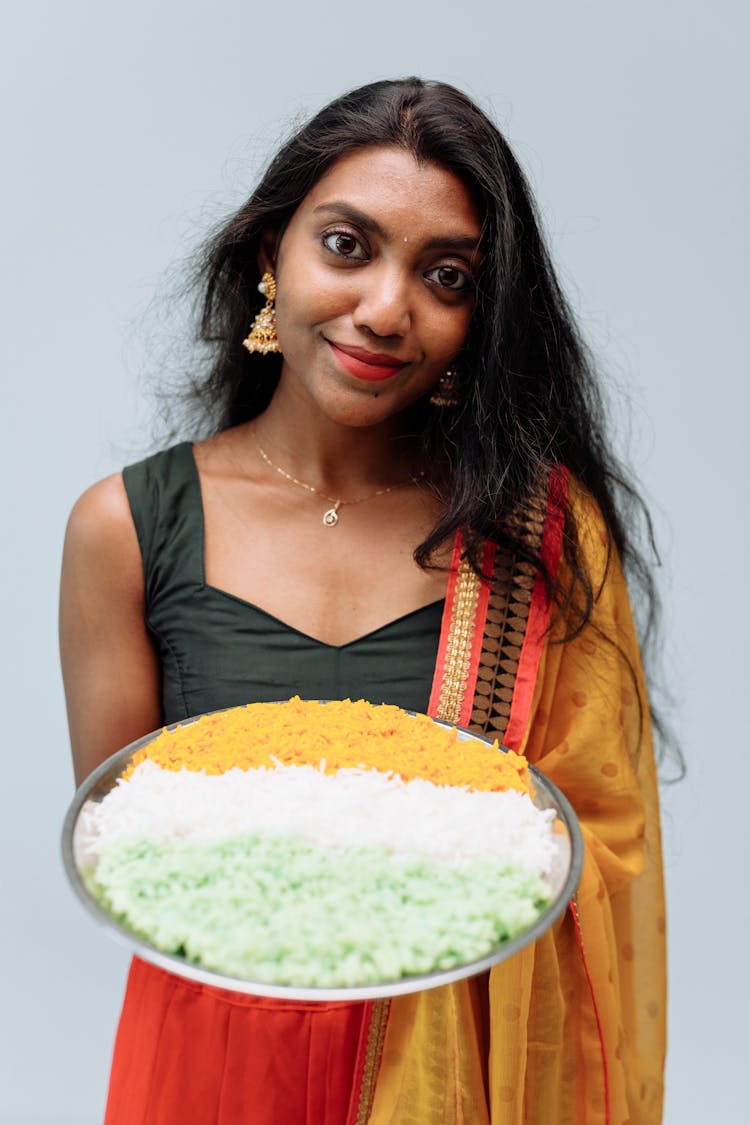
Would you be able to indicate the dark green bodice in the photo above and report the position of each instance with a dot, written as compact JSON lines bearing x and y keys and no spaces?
{"x":217,"y":650}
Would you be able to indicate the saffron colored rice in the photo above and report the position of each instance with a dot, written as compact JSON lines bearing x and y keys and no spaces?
{"x":321,"y":846}
{"x":346,"y":734}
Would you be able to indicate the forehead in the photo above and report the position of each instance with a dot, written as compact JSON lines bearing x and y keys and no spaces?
{"x":405,"y":197}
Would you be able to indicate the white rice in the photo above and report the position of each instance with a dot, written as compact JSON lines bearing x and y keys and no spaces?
{"x":352,"y":808}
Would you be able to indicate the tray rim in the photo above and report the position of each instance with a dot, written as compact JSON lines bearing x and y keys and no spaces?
{"x":177,"y":965}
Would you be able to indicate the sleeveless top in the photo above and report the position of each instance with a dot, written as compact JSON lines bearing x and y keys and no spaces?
{"x":217,"y":650}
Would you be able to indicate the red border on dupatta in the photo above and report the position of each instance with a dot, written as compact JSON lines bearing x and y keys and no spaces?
{"x":539,"y":611}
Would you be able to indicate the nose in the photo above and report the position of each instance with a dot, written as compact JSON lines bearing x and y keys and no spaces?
{"x":383,"y":307}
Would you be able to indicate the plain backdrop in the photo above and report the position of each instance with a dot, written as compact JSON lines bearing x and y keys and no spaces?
{"x":128,"y":131}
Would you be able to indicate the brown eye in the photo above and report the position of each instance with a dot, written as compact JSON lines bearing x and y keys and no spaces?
{"x":449,"y":277}
{"x":344,"y":244}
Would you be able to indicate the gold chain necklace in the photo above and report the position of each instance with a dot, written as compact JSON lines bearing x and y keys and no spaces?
{"x":331,"y":515}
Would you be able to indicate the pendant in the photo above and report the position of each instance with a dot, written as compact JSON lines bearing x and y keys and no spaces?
{"x":331,"y":517}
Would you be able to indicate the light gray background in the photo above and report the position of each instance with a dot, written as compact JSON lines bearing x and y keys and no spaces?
{"x":131,"y":127}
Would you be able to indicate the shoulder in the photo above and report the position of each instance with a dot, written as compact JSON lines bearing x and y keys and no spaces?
{"x":159,"y":468}
{"x":100,"y":530}
{"x":112,"y":522}
{"x":108,"y":510}
{"x":102,"y":510}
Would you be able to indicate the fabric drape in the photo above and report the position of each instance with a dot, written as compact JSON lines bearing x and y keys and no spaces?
{"x":576,"y":1025}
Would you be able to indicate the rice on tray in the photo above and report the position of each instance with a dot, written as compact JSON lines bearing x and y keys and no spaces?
{"x":311,"y":845}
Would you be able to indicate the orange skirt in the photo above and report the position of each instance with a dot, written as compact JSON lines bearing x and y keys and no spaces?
{"x":187,"y":1052}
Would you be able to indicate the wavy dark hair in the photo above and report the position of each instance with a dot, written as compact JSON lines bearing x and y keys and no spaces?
{"x":529,"y":396}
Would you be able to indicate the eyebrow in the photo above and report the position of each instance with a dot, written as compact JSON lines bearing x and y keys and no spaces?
{"x":372,"y":226}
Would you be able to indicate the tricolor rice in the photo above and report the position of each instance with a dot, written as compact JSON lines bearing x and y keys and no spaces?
{"x":294,"y":874}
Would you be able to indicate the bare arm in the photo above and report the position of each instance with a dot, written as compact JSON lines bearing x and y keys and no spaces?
{"x":110,"y":668}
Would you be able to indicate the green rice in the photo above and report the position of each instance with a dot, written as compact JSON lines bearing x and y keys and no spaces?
{"x":279,"y":910}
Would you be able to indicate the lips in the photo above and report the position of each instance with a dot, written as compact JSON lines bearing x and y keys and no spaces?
{"x":370,"y":366}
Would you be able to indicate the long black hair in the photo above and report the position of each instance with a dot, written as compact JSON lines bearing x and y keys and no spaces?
{"x":528,"y":395}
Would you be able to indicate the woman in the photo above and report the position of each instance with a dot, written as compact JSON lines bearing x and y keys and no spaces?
{"x":408,"y":497}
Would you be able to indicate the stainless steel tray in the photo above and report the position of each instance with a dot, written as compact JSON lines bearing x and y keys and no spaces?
{"x":564,"y":880}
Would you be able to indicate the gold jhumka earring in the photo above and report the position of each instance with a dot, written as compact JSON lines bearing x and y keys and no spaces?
{"x":262,"y":336}
{"x":446,"y":391}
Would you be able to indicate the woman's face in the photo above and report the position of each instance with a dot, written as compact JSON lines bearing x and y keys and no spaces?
{"x":375,"y":285}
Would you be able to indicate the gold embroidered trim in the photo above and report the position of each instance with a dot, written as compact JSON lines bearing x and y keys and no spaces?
{"x":458,"y":648}
{"x":507,"y":618}
{"x":375,"y":1038}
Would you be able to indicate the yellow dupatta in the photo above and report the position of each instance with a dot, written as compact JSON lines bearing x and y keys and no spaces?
{"x":570,"y":1031}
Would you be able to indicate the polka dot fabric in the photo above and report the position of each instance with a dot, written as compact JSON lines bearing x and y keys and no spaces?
{"x":572,"y":1030}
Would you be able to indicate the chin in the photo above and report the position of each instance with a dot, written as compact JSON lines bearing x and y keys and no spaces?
{"x":368,"y":408}
{"x":361,"y":415}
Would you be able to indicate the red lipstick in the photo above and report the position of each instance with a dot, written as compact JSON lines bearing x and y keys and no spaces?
{"x":372,"y":366}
